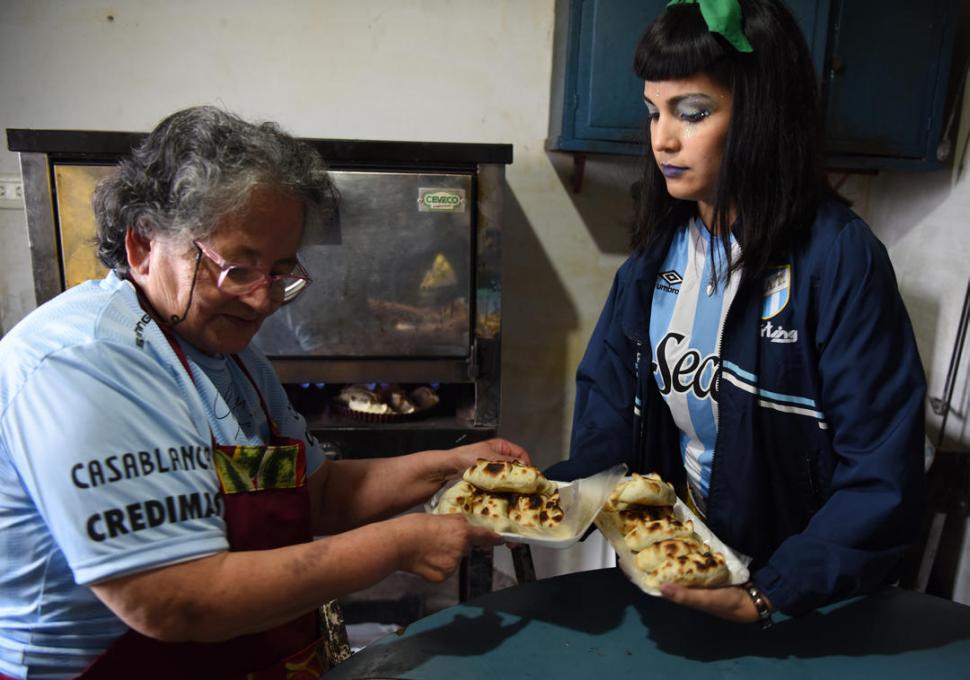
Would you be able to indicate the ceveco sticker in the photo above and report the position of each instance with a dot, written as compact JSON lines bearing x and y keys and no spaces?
{"x":441,"y":200}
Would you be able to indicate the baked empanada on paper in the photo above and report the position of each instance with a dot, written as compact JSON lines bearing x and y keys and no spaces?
{"x":642,"y":514}
{"x":535,"y":510}
{"x":660,"y":530}
{"x":491,"y":511}
{"x":654,"y":555}
{"x":693,"y":569}
{"x":641,"y":490}
{"x":547,"y":487}
{"x":504,"y":476}
{"x":457,"y":499}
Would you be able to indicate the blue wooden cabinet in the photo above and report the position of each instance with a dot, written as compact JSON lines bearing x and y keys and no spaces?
{"x":883,"y":67}
{"x":602,"y":98}
{"x":888,"y":66}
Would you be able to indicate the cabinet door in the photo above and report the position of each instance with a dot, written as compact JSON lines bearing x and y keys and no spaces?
{"x":610,"y":96}
{"x":887,"y":77}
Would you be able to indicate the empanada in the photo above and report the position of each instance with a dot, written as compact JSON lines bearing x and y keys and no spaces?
{"x":457,"y":499}
{"x":660,"y":530}
{"x":536,"y":511}
{"x":491,"y":511}
{"x":503,"y":476}
{"x":693,"y":569}
{"x":642,"y":514}
{"x":655,"y":554}
{"x":641,"y":490}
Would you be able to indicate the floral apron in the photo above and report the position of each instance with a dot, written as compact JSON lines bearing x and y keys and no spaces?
{"x":266,"y":506}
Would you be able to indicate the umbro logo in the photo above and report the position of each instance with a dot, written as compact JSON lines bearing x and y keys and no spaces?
{"x":668,"y":280}
{"x":671,"y":277}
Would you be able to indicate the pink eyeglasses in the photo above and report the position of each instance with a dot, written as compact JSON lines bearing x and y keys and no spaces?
{"x":236,"y":279}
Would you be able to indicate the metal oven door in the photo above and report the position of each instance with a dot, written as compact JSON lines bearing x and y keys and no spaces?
{"x":392,"y":277}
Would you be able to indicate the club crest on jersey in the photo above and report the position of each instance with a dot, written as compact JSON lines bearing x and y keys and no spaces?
{"x":669,"y":282}
{"x":777,"y":290}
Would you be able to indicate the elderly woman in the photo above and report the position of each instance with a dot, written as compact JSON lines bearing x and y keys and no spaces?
{"x":158,"y":494}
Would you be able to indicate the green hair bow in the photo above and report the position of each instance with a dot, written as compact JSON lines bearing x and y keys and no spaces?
{"x":724,"y":17}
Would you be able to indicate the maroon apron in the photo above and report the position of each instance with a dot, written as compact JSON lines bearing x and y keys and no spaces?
{"x":266,"y":506}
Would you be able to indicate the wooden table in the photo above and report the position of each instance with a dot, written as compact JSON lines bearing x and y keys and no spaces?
{"x":596,"y":625}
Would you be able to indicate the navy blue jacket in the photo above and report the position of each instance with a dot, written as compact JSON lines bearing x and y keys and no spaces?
{"x":818,"y":468}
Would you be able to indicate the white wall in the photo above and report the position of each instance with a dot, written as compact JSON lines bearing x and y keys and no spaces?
{"x":434,"y":70}
{"x":924,"y":221}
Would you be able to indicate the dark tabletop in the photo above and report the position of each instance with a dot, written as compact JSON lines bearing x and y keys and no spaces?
{"x":597,"y":624}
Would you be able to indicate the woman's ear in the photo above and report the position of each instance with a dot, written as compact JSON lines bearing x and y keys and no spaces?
{"x":138,"y":249}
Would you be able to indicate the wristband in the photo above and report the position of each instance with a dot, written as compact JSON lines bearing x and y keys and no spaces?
{"x":760,"y":604}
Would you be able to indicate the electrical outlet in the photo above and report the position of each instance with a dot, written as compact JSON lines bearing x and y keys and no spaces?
{"x":11,"y":192}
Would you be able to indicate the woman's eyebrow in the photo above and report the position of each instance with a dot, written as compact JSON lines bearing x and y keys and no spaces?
{"x":701,"y":96}
{"x":677,"y":99}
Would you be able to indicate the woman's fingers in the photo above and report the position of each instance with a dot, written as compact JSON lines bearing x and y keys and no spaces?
{"x":434,"y":545}
{"x":494,"y":449}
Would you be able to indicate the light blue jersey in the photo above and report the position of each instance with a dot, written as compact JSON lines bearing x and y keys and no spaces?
{"x":105,"y":465}
{"x":686,"y":318}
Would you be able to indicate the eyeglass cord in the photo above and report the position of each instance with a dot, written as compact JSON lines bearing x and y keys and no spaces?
{"x":174,"y":320}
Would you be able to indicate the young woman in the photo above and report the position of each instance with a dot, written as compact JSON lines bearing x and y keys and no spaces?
{"x":754,"y":349}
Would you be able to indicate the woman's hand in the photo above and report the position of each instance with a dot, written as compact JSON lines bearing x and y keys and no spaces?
{"x":493,"y":449}
{"x":432,"y":546}
{"x":732,"y":604}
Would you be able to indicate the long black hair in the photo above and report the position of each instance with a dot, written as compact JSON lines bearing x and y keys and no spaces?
{"x":770,"y":169}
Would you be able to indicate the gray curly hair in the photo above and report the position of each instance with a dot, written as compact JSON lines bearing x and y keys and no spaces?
{"x":196,"y":167}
